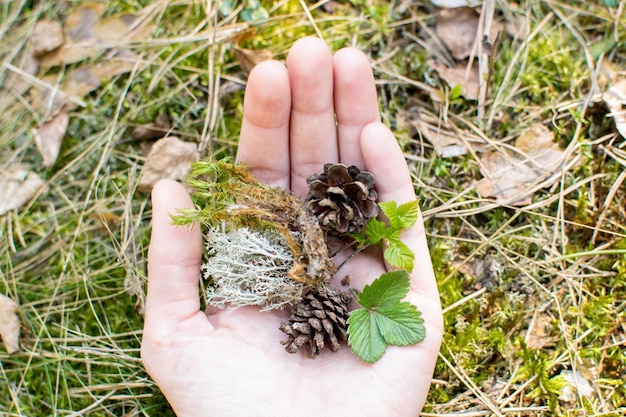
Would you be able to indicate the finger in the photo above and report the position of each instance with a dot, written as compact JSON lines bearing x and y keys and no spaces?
{"x":384,"y":159}
{"x":313,"y":128}
{"x":356,"y":103}
{"x":173,"y":260}
{"x":264,"y":141}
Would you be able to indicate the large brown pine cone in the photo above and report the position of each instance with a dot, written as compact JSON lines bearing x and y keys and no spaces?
{"x":320,"y":319}
{"x":342,"y":198}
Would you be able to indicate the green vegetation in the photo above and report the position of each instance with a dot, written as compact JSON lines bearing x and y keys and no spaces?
{"x":384,"y":319}
{"x":529,"y":291}
{"x":376,"y":232}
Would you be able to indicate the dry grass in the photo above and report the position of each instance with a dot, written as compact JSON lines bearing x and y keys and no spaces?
{"x":529,"y":291}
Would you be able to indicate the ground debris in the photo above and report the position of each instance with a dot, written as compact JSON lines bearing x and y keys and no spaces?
{"x":511,"y":174}
{"x":9,"y":324}
{"x":17,"y":186}
{"x":168,"y":158}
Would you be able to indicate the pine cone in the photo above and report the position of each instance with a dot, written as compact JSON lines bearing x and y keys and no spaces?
{"x":320,"y":319}
{"x":342,"y":198}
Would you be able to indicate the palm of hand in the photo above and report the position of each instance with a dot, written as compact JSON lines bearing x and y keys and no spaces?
{"x":230,"y":363}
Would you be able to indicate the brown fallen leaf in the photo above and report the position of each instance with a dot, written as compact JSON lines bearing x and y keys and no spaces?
{"x":457,"y":29}
{"x":459,"y":75}
{"x":49,"y":97}
{"x":78,"y":83}
{"x":87,"y":34}
{"x":615,"y":99}
{"x":154,"y":130}
{"x":446,"y":143}
{"x":25,"y":65}
{"x":9,"y":324}
{"x":119,"y":62}
{"x":510,"y":175}
{"x":168,"y":158}
{"x":80,"y":40}
{"x":249,"y":58}
{"x":49,"y":136}
{"x":448,"y":140}
{"x":46,"y":37}
{"x":17,"y":186}
{"x":539,"y":334}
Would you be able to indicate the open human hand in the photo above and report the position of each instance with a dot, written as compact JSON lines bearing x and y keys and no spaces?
{"x":321,"y":108}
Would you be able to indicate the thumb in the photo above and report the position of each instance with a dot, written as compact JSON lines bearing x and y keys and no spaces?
{"x":173,"y":260}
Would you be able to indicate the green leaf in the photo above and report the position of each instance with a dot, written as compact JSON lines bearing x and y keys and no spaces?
{"x":385,"y":320}
{"x":400,"y":255}
{"x":407,"y":214}
{"x":364,"y":336}
{"x":375,"y":230}
{"x":393,"y":235}
{"x":390,"y":208}
{"x":400,"y":324}
{"x":456,"y":91}
{"x":389,"y":288}
{"x":360,"y":237}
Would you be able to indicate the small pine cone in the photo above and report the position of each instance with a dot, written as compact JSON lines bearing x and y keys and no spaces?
{"x":320,"y":319}
{"x":342,"y":198}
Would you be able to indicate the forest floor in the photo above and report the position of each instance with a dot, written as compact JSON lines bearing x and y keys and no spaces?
{"x":509,"y":114}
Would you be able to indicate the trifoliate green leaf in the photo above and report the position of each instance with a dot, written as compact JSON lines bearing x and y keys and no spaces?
{"x":375,"y":230}
{"x":364,"y":337}
{"x":400,"y":255}
{"x":400,"y":324}
{"x":407,"y":214}
{"x":385,"y":320}
{"x":390,"y":208}
{"x":389,"y":288}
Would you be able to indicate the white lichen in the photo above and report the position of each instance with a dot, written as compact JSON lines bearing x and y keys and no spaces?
{"x":249,"y":268}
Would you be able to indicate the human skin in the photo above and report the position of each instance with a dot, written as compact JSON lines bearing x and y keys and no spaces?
{"x":320,"y":108}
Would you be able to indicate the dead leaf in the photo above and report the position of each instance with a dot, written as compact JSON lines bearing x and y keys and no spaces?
{"x":47,"y":36}
{"x":457,"y":29}
{"x":510,"y":175}
{"x":53,"y":93}
{"x":17,"y":186}
{"x":484,"y":271}
{"x":78,"y":83}
{"x":154,"y":130}
{"x":577,"y":386}
{"x":9,"y":324}
{"x":121,"y":61}
{"x":79,"y":36}
{"x":539,"y":334}
{"x":169,"y":158}
{"x":459,"y":75}
{"x":49,"y":136}
{"x":88,"y":35}
{"x":615,"y":99}
{"x":17,"y":80}
{"x":249,"y":58}
{"x":448,"y":141}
